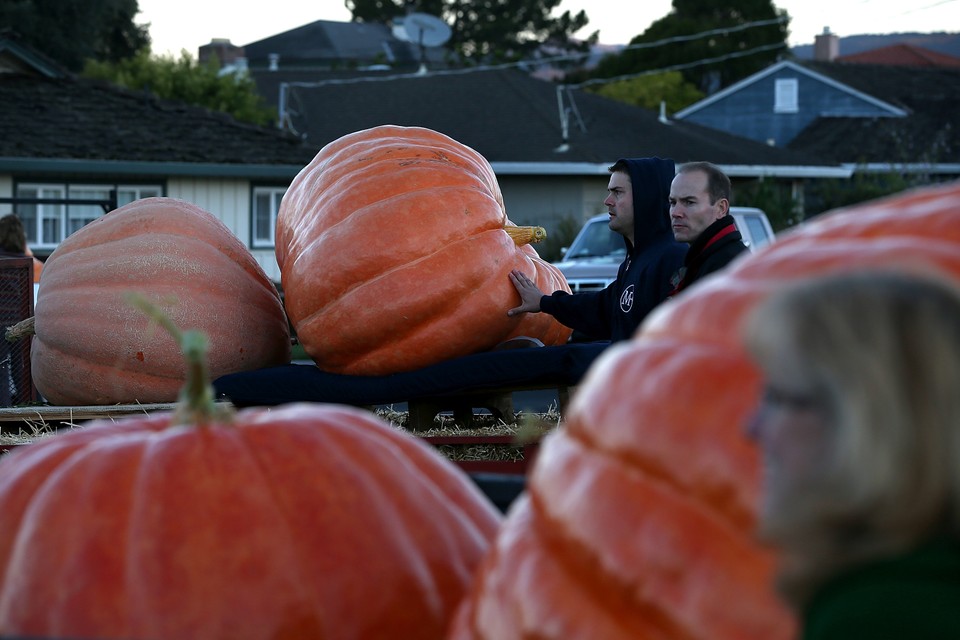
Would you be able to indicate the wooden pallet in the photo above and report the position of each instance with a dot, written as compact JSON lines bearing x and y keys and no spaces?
{"x":499,"y":402}
{"x":16,"y":418}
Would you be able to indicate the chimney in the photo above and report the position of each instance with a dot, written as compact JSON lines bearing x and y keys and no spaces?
{"x":826,"y":46}
{"x":226,"y":52}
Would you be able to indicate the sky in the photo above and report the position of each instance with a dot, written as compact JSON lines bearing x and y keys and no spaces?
{"x":188,"y":24}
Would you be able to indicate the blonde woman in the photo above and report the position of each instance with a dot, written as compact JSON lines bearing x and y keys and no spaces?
{"x":859,"y":426}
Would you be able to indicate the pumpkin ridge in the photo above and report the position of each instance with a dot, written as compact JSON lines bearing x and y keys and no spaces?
{"x":332,"y":207}
{"x":666,"y":532}
{"x":355,"y":222}
{"x":415,"y":140}
{"x":580,"y":563}
{"x":354,"y":444}
{"x":338,"y":173}
{"x":426,"y":316}
{"x":368,"y":270}
{"x":717,"y":498}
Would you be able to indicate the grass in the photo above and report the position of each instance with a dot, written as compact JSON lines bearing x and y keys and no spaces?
{"x":525,"y":429}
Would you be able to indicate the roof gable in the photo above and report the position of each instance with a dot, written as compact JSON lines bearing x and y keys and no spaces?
{"x":774,"y":69}
{"x":19,"y":58}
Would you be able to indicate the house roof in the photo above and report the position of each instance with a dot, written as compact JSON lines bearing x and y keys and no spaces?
{"x":930,"y":96}
{"x":325,"y":43}
{"x":515,"y":122}
{"x":903,"y":55}
{"x":18,"y":58}
{"x":80,"y":125}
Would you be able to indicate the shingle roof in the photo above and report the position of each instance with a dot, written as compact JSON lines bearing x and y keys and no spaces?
{"x":509,"y":116}
{"x":903,"y":55}
{"x":74,"y":118}
{"x":325,"y":43}
{"x":929,"y":133}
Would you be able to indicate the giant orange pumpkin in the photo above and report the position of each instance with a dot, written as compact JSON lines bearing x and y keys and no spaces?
{"x":394,"y":255}
{"x":640,"y":514}
{"x":306,"y":521}
{"x":92,"y":347}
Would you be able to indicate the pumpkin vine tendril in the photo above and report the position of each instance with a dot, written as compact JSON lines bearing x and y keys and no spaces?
{"x":195,"y":404}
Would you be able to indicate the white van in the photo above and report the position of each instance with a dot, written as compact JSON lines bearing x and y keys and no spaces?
{"x":591,"y":261}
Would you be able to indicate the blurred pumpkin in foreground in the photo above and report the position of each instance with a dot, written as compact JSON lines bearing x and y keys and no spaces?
{"x":304,"y":521}
{"x":638,"y":521}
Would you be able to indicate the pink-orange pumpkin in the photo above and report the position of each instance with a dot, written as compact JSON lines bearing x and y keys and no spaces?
{"x":640,"y":514}
{"x":93,"y":347}
{"x":301,"y":522}
{"x":393,"y":255}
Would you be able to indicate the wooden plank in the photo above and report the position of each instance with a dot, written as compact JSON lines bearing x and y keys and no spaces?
{"x":48,"y":413}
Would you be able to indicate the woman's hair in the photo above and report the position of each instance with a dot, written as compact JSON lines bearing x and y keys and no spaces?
{"x":13,"y":238}
{"x":883,"y":352}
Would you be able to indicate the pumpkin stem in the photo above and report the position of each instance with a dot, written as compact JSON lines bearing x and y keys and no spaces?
{"x":22,"y":329}
{"x":526,"y":235}
{"x":196,"y":404}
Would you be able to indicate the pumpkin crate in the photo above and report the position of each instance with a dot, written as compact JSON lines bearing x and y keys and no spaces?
{"x":16,"y":305}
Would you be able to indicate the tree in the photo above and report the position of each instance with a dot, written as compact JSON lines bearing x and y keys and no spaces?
{"x":486,"y":31}
{"x":73,"y":31}
{"x":648,"y":91}
{"x":736,"y":47}
{"x":188,"y":81}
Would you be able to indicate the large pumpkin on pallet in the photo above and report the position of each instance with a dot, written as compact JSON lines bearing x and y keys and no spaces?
{"x":640,"y":514}
{"x":394,"y":250}
{"x":301,"y":522}
{"x":92,"y":347}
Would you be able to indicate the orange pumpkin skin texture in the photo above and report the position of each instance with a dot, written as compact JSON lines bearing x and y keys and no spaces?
{"x":308,"y":521}
{"x":639,"y":518}
{"x":93,"y":347}
{"x":393,"y":255}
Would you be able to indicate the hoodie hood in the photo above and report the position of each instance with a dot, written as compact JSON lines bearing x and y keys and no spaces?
{"x":650,"y":180}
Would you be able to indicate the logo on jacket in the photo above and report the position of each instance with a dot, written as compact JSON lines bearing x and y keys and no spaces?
{"x":626,"y":299}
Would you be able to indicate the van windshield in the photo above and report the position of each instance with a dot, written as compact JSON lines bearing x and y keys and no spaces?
{"x":595,"y":240}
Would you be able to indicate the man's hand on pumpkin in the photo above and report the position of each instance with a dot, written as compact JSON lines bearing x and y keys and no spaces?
{"x":530,"y":294}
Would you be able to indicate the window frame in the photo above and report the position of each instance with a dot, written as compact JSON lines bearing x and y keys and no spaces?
{"x":786,"y":95}
{"x":275,"y":194}
{"x":56,"y":220}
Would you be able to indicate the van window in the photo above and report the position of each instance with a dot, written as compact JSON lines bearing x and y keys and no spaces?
{"x":755,"y":231}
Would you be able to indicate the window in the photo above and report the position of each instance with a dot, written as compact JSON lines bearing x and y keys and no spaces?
{"x":786,"y":96}
{"x":48,"y":224}
{"x":266,"y":205}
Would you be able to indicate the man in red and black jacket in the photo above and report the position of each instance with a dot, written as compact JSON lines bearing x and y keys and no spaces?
{"x":700,"y":216}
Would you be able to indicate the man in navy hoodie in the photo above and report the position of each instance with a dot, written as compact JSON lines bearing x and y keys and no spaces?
{"x":639,"y":211}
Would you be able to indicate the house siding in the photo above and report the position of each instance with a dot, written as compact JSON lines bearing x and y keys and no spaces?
{"x":749,"y":112}
{"x":548,"y":201}
{"x":228,"y":200}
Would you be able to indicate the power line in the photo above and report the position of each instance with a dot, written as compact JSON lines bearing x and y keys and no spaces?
{"x":540,"y":61}
{"x":929,"y":6}
{"x":678,"y":67}
{"x":285,"y":87}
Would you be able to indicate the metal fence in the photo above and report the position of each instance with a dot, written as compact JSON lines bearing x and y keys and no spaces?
{"x":16,"y":304}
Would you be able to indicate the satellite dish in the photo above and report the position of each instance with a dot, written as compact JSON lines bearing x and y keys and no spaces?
{"x":422,"y":29}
